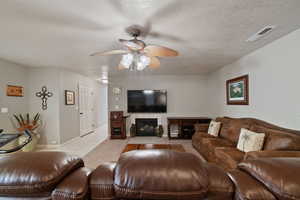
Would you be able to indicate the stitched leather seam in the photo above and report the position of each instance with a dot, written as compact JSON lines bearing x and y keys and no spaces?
{"x":160,"y":193}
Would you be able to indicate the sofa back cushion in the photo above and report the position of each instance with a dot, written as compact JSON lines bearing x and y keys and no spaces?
{"x":285,"y":185}
{"x":160,"y":174}
{"x":279,"y":140}
{"x":231,"y":128}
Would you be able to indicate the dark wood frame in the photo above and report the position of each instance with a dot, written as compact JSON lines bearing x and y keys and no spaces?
{"x":66,"y":100}
{"x":244,"y":78}
{"x":15,"y":87}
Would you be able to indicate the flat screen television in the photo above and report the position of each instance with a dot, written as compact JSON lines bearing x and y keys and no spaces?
{"x":146,"y":101}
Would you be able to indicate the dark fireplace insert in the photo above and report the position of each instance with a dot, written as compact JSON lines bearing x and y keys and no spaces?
{"x":145,"y":126}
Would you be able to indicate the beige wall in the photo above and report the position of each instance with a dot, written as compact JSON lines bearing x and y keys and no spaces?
{"x":69,"y":114}
{"x":61,"y":122}
{"x":12,"y":74}
{"x":39,"y":77}
{"x":187,"y":95}
{"x":274,"y":72}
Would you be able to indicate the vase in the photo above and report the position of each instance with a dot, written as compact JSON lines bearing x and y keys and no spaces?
{"x":31,"y":146}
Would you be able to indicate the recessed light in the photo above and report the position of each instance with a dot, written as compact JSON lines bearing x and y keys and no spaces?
{"x":261,"y":33}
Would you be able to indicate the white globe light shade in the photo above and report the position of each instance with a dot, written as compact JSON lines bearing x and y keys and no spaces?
{"x":127,"y":60}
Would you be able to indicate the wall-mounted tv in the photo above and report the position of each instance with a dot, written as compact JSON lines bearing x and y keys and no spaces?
{"x":146,"y":101}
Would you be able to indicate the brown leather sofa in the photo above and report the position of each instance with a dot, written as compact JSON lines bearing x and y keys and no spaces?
{"x":146,"y":174}
{"x":279,"y":142}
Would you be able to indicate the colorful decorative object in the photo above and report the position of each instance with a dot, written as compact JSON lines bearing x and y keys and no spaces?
{"x":237,"y":91}
{"x":15,"y":91}
{"x":44,"y":95}
{"x":25,"y":122}
{"x":69,"y":97}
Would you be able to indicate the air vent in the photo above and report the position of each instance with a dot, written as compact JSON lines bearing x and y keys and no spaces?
{"x":261,"y":33}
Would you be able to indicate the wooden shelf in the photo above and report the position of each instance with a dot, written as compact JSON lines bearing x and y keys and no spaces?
{"x":185,"y":126}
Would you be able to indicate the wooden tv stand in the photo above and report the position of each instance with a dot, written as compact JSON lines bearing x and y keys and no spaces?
{"x":185,"y":126}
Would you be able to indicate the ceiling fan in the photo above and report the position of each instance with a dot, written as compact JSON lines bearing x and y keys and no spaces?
{"x":137,"y":55}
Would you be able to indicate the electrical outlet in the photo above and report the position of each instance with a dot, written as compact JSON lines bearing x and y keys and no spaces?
{"x":4,"y":110}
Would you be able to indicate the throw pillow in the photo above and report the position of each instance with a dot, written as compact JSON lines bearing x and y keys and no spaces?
{"x":214,"y":128}
{"x":250,"y":141}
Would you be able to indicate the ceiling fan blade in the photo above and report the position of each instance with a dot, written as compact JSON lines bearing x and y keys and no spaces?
{"x":154,"y":63}
{"x":106,"y":53}
{"x":153,"y":50}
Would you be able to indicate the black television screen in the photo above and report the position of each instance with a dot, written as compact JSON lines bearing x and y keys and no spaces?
{"x":150,"y":101}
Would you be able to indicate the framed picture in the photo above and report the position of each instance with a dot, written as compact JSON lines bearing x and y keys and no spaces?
{"x":237,"y":90}
{"x":69,"y":97}
{"x":15,"y":91}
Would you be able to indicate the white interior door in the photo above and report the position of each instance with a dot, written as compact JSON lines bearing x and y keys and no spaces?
{"x":85,"y":110}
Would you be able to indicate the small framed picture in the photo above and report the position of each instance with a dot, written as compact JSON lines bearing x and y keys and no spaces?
{"x":237,"y":90}
{"x":69,"y":97}
{"x":14,"y":91}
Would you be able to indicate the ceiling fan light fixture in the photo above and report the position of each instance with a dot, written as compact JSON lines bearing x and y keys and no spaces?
{"x":143,"y":62}
{"x":127,"y":60}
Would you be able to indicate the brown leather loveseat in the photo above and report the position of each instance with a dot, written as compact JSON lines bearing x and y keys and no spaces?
{"x":278,"y":142}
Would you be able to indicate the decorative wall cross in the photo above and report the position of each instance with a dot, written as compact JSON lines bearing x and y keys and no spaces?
{"x":44,"y":95}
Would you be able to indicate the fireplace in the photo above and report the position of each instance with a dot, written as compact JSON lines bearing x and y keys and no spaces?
{"x":145,"y":126}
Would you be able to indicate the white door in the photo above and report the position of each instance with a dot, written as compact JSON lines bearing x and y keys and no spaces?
{"x":85,"y":110}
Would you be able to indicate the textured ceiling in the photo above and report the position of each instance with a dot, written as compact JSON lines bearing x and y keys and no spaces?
{"x":208,"y":33}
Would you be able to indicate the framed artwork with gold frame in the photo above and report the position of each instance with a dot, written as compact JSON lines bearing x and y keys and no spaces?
{"x":14,"y":91}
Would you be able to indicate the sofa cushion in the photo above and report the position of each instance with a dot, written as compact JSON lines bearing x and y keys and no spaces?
{"x":279,"y":175}
{"x":208,"y":145}
{"x":229,"y":158}
{"x":35,"y":173}
{"x":279,"y":140}
{"x":200,"y":135}
{"x":160,"y":174}
{"x":250,"y":141}
{"x":231,"y":128}
{"x":212,"y":143}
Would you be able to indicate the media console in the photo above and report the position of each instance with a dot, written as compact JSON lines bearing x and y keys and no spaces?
{"x":183,"y":127}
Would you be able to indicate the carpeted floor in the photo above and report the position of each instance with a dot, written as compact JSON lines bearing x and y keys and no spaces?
{"x":110,"y":150}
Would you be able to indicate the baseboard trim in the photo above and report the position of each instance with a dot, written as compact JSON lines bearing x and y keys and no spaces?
{"x":48,"y":146}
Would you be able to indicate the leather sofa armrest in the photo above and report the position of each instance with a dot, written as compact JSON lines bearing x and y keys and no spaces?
{"x":220,"y":185}
{"x":74,"y":186}
{"x":266,"y":154}
{"x":248,"y":188}
{"x":102,"y":182}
